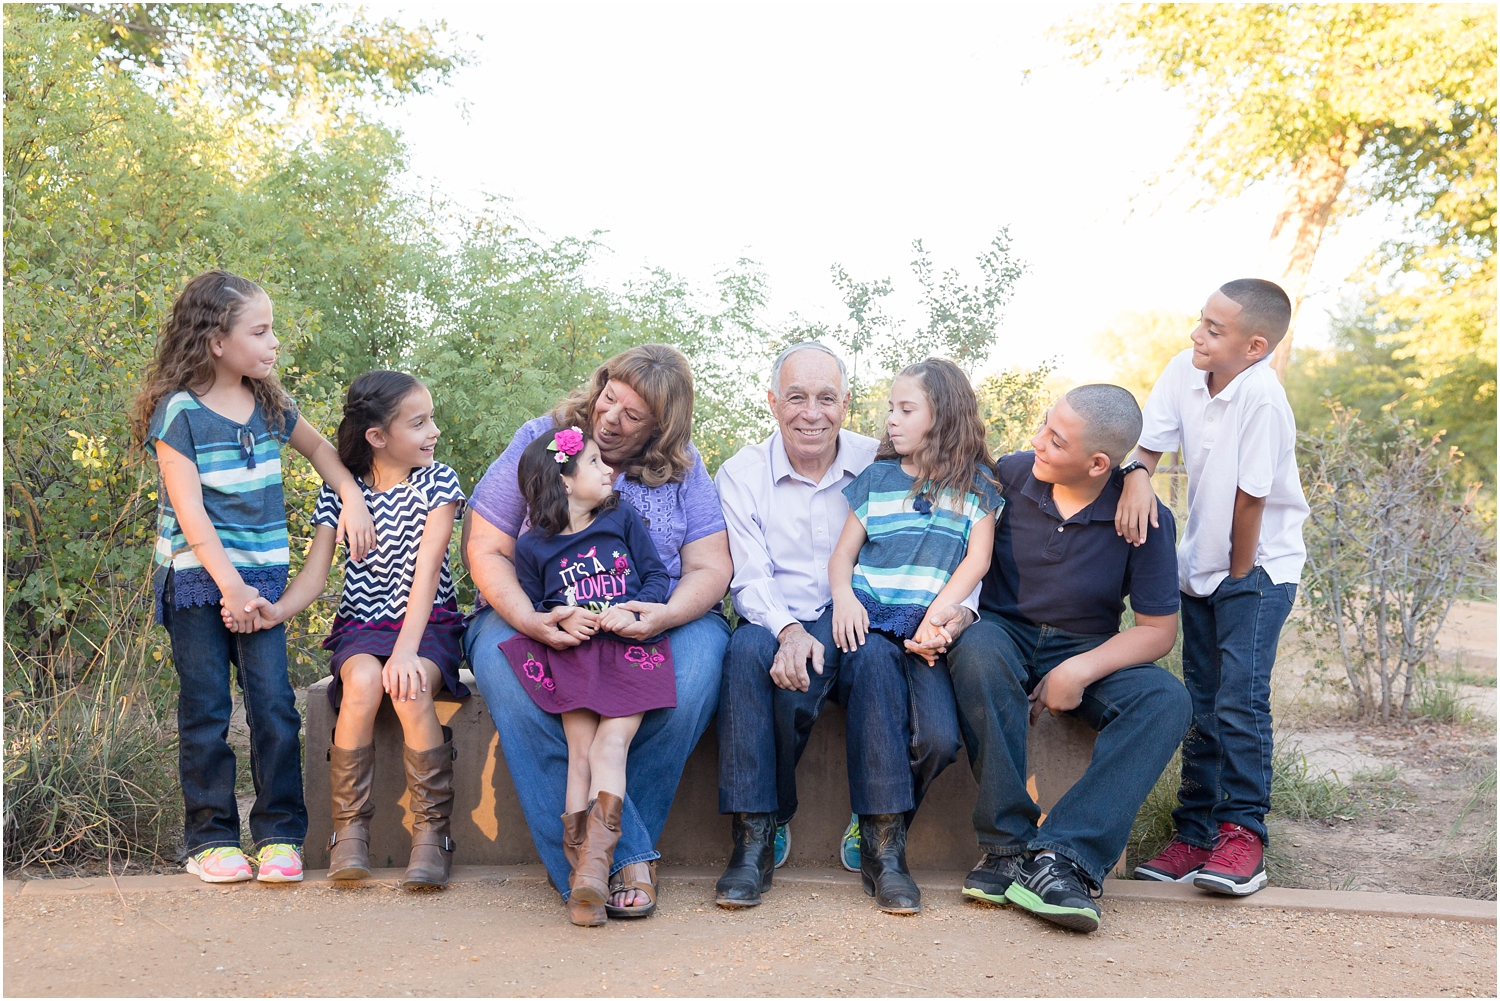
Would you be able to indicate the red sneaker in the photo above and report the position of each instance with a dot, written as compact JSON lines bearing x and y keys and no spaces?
{"x":1177,"y":863}
{"x":1238,"y":864}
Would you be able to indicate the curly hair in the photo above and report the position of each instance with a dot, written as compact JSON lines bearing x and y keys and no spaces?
{"x":954,"y":451}
{"x":660,"y":374}
{"x":372,"y":402}
{"x":539,"y":475}
{"x":207,"y":308}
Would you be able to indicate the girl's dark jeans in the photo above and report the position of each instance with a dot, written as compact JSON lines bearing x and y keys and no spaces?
{"x":203,"y":651}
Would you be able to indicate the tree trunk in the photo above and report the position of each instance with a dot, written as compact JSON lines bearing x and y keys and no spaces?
{"x":1317,"y":178}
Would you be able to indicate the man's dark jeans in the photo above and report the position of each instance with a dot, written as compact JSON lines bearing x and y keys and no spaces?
{"x":901,"y":730}
{"x":1140,"y":713}
{"x":1228,"y":648}
{"x":203,"y":651}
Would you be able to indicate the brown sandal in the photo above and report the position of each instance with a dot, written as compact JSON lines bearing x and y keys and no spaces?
{"x":639,"y":876}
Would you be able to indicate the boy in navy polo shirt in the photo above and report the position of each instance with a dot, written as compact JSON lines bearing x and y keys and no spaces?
{"x":1049,"y":638}
{"x":1239,"y":563}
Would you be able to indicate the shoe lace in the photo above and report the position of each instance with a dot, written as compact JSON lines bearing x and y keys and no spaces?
{"x":1060,"y":869}
{"x":1178,"y":852}
{"x":1232,"y":846}
{"x":219,"y":854}
{"x":994,"y":861}
{"x":271,"y":851}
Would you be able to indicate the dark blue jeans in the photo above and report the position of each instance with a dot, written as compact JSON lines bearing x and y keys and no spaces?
{"x":536,"y":751}
{"x":203,"y":651}
{"x":1228,"y":649}
{"x":1140,"y":713}
{"x":902,"y":730}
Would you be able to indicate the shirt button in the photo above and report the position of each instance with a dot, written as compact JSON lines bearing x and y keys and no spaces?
{"x":1059,"y":528}
{"x":1210,"y":420}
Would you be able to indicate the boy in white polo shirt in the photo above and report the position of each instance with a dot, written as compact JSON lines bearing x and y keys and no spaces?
{"x":1238,"y":566}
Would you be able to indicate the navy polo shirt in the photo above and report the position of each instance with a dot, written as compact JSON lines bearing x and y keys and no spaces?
{"x":1074,"y":573}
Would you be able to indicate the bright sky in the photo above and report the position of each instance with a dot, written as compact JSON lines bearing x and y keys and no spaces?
{"x":805,"y":134}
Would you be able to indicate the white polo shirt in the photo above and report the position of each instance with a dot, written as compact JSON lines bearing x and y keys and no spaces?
{"x":1244,"y":438}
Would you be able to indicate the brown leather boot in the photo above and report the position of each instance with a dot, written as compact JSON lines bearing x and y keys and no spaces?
{"x":580,"y":912}
{"x":429,"y":779}
{"x":590,"y":879}
{"x":350,"y":775}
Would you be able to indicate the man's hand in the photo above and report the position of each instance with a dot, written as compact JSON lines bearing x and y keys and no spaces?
{"x":650,"y":618}
{"x":1136,"y":508}
{"x":938,"y":631}
{"x":789,"y":668}
{"x":1058,"y":692}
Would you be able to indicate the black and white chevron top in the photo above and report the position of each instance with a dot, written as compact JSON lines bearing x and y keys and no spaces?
{"x":376,"y":589}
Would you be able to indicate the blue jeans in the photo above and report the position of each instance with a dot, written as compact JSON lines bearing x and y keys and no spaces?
{"x":537,"y":752}
{"x":1228,"y":648}
{"x":203,"y":651}
{"x":1140,"y":713}
{"x":901,"y":730}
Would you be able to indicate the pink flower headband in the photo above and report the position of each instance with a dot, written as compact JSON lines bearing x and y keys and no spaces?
{"x":566,"y":444}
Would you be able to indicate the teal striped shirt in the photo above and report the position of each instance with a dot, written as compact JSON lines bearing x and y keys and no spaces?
{"x":239,"y":470}
{"x":913,"y":544}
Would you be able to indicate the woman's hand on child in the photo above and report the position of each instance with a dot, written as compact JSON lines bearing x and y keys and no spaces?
{"x":647,"y":619}
{"x":579,"y":623}
{"x":1058,"y":692}
{"x":356,"y":528}
{"x":850,"y":623}
{"x":403,"y":676}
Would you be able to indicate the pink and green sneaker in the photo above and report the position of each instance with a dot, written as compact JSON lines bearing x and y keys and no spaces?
{"x":226,"y":864}
{"x":279,"y":863}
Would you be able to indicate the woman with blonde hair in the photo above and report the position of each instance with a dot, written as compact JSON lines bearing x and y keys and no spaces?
{"x":638,"y":408}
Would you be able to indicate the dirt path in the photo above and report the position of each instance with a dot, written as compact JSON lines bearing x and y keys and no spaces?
{"x":513,"y":939}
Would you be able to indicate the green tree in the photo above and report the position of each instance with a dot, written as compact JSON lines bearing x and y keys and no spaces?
{"x":1137,"y":346}
{"x":1348,"y":105}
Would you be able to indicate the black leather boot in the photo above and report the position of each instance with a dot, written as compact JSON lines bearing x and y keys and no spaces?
{"x":882,"y":863}
{"x":748,"y":874}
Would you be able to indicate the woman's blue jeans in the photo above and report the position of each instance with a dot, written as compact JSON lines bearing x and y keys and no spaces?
{"x":536,"y":751}
{"x":1140,"y":713}
{"x":204,"y":651}
{"x":1229,"y":644}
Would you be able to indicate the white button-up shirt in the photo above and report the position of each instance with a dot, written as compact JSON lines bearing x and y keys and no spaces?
{"x":1244,"y":438}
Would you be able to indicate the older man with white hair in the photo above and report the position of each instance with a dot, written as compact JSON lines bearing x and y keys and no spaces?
{"x":784,"y":505}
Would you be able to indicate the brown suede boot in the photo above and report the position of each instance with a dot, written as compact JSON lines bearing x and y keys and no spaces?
{"x":580,"y":912}
{"x":590,"y":880}
{"x":350,"y":775}
{"x":429,"y":779}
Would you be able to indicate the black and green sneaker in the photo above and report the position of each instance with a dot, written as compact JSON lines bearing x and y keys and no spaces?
{"x":989,"y":879}
{"x":1056,"y":889}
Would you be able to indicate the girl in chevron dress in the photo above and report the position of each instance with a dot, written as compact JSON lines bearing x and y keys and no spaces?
{"x":397,"y":632}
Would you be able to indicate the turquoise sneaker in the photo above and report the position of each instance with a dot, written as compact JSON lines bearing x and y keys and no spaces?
{"x":783,"y":843}
{"x":849,"y":851}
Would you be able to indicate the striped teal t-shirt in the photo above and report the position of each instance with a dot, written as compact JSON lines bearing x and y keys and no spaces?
{"x":239,"y":469}
{"x":913,"y":544}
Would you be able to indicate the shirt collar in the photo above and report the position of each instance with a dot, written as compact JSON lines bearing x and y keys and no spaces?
{"x":1102,"y":509}
{"x":1227,"y":393}
{"x":844,"y":462}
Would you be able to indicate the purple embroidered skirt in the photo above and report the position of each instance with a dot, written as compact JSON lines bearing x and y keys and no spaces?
{"x":442,"y":643}
{"x":611,"y":676}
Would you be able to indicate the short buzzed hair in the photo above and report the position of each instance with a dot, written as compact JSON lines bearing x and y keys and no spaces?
{"x":1265,"y":308}
{"x":1111,"y":418}
{"x":806,"y":346}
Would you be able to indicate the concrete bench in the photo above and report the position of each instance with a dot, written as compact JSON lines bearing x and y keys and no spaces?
{"x":490,"y":830}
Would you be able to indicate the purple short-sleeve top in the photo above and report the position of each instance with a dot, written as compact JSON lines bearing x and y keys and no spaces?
{"x":675,"y":513}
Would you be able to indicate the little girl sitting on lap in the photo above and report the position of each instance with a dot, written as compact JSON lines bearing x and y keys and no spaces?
{"x":587,"y":551}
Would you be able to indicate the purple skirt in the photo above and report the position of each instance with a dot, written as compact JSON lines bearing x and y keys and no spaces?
{"x":442,"y":643}
{"x":611,"y":676}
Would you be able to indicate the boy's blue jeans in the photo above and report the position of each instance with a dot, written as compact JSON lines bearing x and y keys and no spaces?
{"x":203,"y":651}
{"x":901,"y":730}
{"x":1228,"y":649}
{"x":1140,"y":712}
{"x":536,"y":751}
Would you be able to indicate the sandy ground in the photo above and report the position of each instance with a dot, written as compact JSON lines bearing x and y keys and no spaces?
{"x":513,"y":939}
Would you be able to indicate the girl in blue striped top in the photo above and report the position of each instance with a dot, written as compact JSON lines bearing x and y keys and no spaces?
{"x":921,"y":517}
{"x":212,"y":413}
